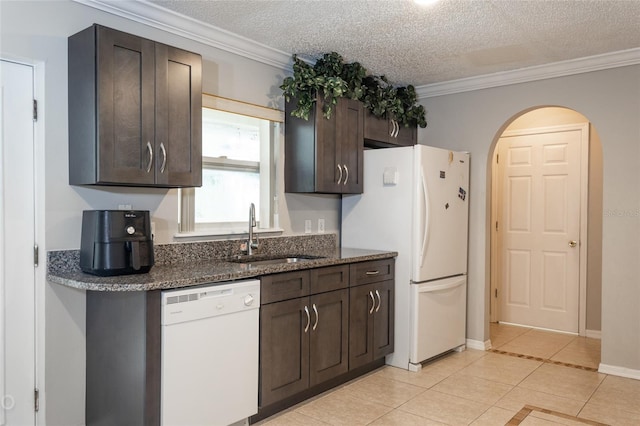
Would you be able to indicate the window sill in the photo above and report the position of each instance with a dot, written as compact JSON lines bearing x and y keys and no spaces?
{"x":224,"y":233}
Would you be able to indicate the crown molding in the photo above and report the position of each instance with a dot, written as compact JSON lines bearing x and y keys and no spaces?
{"x":556,"y":69}
{"x":155,"y":16}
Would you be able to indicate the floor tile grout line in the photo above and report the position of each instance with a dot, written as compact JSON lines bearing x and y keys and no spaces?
{"x":593,"y":393}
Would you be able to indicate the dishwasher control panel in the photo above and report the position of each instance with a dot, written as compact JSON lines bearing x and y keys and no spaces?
{"x":193,"y":303}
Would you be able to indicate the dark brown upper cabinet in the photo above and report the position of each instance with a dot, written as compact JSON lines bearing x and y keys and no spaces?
{"x":325,"y":155}
{"x":387,"y":132}
{"x":135,"y":111}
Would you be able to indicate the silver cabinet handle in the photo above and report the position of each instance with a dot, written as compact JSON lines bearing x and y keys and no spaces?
{"x":373,"y":302}
{"x":397,"y":128}
{"x":346,"y":179}
{"x":150,"y":151}
{"x":372,"y":272}
{"x":379,"y":301}
{"x":340,"y":175}
{"x":164,"y":157}
{"x":573,"y":243}
{"x":392,"y":133}
{"x":315,"y":311}
{"x":306,"y":327}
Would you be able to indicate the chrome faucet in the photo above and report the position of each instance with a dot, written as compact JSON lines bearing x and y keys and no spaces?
{"x":252,"y":222}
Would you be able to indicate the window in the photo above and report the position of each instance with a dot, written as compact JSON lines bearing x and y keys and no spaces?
{"x":238,"y":168}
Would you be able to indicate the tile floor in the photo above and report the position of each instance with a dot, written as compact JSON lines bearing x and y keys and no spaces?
{"x":482,"y":388}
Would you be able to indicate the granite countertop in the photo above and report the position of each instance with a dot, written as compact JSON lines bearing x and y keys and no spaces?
{"x":191,"y":273}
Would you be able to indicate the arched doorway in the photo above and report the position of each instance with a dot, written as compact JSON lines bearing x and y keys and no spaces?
{"x":589,"y":294}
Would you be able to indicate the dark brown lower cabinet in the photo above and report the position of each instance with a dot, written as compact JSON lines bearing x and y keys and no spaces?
{"x":371,"y":322}
{"x":123,"y":358}
{"x":329,"y":335}
{"x":320,"y":328}
{"x":284,"y":350}
{"x":303,"y":342}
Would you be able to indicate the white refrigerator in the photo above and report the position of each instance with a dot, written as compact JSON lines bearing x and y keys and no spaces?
{"x":416,"y":202}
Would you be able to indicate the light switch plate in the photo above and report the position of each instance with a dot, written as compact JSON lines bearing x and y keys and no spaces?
{"x":307,"y":226}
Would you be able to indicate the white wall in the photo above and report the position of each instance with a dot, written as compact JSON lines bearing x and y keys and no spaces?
{"x":37,"y":32}
{"x":610,"y":100}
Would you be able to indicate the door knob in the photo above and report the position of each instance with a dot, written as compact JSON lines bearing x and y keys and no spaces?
{"x":573,"y":243}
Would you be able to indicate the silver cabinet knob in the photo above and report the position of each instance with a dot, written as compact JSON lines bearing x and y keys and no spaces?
{"x":573,"y":243}
{"x":131,"y":230}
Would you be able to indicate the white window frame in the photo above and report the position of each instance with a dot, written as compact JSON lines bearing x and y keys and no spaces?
{"x":267,"y":166}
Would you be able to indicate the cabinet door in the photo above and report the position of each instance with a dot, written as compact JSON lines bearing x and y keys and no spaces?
{"x":178,"y":141}
{"x":406,"y":136}
{"x":362,"y":304}
{"x":328,"y":351}
{"x":126,"y":79}
{"x":284,"y":350}
{"x":383,"y":315}
{"x":351,"y":140}
{"x":376,"y":128}
{"x":328,"y":165}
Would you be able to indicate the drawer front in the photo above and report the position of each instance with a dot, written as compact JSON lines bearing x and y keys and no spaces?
{"x":289,"y":285}
{"x":329,"y":278}
{"x":371,"y":272}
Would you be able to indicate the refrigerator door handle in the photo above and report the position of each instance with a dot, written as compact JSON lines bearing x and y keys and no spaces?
{"x":426,"y":219}
{"x":447,"y":286}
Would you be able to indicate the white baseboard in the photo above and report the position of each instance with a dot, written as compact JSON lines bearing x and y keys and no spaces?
{"x":593,"y":334}
{"x":479,"y":344}
{"x":619,"y":371}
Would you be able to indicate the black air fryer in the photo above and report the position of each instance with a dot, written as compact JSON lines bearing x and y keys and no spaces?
{"x":116,"y":242}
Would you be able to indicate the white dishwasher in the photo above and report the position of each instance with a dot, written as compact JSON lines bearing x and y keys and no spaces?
{"x":209,"y":371}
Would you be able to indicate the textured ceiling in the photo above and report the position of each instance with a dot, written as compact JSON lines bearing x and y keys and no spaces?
{"x":418,"y":45}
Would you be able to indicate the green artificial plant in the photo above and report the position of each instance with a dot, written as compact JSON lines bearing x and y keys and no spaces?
{"x":333,"y":78}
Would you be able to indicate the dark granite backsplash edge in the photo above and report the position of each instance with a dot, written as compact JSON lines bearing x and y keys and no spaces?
{"x":166,"y":254}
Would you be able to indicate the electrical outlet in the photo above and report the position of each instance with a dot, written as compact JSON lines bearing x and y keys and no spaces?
{"x":321,"y":226}
{"x":307,"y":226}
{"x":124,"y":206}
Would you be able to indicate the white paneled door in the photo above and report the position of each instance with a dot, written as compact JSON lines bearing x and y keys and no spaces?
{"x":539,"y":228}
{"x":17,"y":228}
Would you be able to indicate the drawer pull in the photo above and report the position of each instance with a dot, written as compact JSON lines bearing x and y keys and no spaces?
{"x":379,"y":301}
{"x":373,"y":302}
{"x":372,"y":272}
{"x":306,"y":311}
{"x":315,"y":311}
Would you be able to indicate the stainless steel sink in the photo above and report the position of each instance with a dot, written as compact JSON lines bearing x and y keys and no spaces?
{"x":261,"y":260}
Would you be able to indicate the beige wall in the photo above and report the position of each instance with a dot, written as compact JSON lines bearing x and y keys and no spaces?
{"x":554,"y":116}
{"x":610,"y":100}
